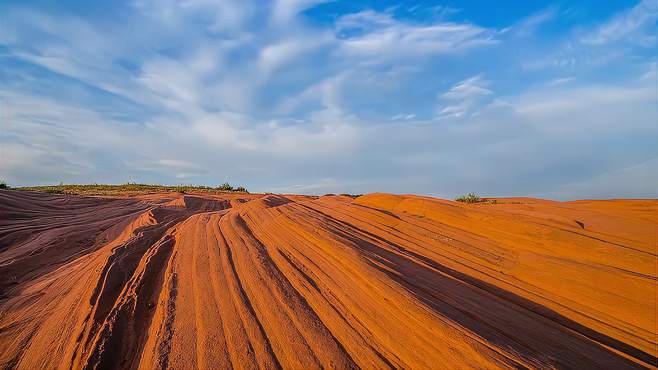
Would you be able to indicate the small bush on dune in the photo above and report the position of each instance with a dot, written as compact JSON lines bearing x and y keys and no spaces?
{"x":474,"y":198}
{"x":3,"y":185}
{"x":242,"y":189}
{"x":225,"y":186}
{"x":469,"y":198}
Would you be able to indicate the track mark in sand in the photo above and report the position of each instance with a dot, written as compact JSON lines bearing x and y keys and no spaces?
{"x":164,"y":348}
{"x":257,"y":334}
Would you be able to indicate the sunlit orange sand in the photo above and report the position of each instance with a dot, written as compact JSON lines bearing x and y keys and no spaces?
{"x":381,"y":281}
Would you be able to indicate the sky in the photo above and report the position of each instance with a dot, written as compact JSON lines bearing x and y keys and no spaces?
{"x":553,"y":99}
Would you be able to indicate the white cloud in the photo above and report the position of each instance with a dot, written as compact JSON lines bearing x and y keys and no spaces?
{"x":464,"y":97}
{"x":639,"y":179}
{"x":285,"y":10}
{"x":624,"y":38}
{"x":226,"y":16}
{"x":560,"y":81}
{"x":178,"y":168}
{"x":637,"y":25}
{"x":627,"y":37}
{"x":471,"y":88}
{"x":382,"y":37}
{"x":546,"y":106}
{"x":527,"y":26}
{"x":322,"y":185}
{"x":284,"y":53}
{"x":67,"y":45}
{"x":46,"y":141}
{"x":403,"y":116}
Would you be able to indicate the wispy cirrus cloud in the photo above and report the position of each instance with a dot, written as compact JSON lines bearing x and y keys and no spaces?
{"x":627,"y":35}
{"x":379,"y":35}
{"x":464,"y":97}
{"x":636,"y":25}
{"x":529,"y":25}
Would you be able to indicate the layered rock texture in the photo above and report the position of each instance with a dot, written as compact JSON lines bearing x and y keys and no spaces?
{"x":187,"y":281}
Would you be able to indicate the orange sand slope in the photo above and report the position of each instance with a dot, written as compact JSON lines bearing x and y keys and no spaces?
{"x":381,"y":281}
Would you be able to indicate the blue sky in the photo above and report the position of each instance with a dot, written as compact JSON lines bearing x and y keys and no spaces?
{"x":528,"y":98}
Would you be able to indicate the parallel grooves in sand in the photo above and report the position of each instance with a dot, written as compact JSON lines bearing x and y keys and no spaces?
{"x":381,"y":281}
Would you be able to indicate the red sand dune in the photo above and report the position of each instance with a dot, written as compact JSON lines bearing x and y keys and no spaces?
{"x":381,"y":281}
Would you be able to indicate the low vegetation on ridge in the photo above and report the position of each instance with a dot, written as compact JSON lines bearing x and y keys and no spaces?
{"x":469,"y":198}
{"x":131,"y":188}
{"x":473,"y":198}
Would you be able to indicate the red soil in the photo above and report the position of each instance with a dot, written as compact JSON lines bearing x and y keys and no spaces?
{"x":247,"y":281}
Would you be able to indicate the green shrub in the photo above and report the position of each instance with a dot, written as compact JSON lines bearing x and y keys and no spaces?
{"x":242,"y":189}
{"x":469,"y":198}
{"x":225,"y":186}
{"x":3,"y":185}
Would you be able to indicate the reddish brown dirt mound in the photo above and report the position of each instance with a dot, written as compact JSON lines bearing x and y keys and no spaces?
{"x":381,"y":281}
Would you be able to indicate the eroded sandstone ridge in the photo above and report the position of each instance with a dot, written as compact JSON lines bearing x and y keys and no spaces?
{"x":381,"y":281}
